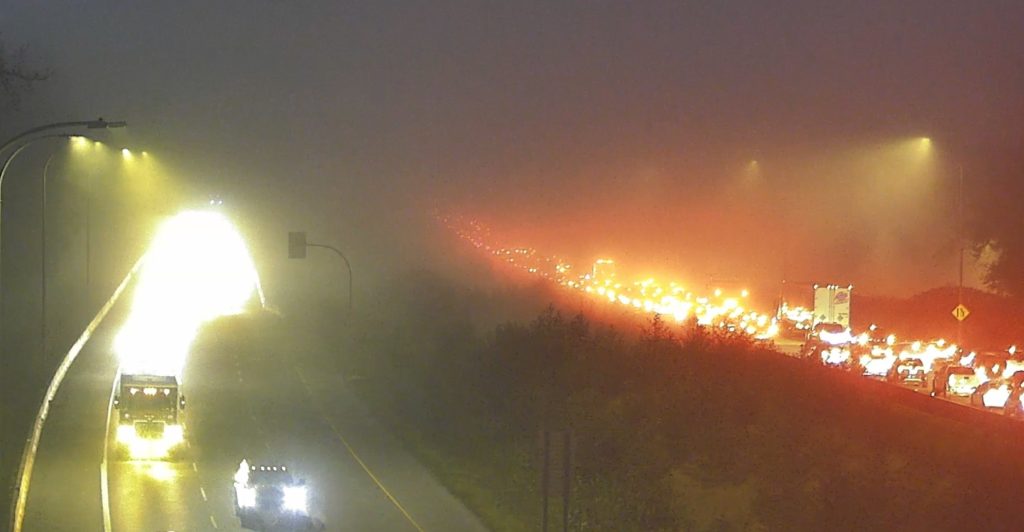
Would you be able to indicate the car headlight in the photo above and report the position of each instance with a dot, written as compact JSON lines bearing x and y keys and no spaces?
{"x":246,"y":496}
{"x":295,"y":499}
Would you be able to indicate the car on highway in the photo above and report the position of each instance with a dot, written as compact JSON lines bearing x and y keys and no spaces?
{"x":268,"y":497}
{"x":831,"y":333}
{"x":996,"y":393}
{"x":909,"y":371}
{"x":874,"y":361}
{"x":1014,"y":406}
{"x":992,"y":364}
{"x":959,"y":381}
{"x":830,"y":344}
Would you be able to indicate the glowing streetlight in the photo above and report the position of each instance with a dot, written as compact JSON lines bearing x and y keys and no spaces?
{"x":126,"y":153}
{"x":99,"y":123}
{"x":926,"y":144}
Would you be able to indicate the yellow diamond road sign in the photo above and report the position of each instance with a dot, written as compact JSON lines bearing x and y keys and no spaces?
{"x":961,"y":312}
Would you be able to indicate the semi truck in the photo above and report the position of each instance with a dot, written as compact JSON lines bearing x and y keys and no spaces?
{"x":150,"y":416}
{"x":832,"y":305}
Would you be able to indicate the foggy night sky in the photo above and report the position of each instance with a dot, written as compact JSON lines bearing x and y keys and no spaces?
{"x":582,"y":128}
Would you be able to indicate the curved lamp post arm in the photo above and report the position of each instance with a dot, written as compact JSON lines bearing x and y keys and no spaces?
{"x":13,"y":155}
{"x":3,"y":172}
{"x":90,"y":124}
{"x":7,"y":163}
{"x":347,"y":265}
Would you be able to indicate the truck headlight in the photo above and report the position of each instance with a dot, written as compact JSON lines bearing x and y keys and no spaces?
{"x":295,"y":499}
{"x":173,"y":435}
{"x":126,"y":433}
{"x":246,"y":496}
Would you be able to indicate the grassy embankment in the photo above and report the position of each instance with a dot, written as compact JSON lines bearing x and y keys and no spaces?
{"x":674,"y":429}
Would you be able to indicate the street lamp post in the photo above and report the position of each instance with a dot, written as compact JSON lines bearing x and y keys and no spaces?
{"x":42,"y":246}
{"x":960,"y":237}
{"x":88,"y":245}
{"x":89,"y":124}
{"x":960,"y":311}
{"x":99,"y":123}
{"x":42,"y":262}
{"x":46,"y":167}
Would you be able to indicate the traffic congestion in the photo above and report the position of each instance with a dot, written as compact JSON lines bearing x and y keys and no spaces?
{"x":987,"y":380}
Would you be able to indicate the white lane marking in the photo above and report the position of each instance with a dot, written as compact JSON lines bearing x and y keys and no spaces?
{"x":213,"y":522}
{"x":195,"y":467}
{"x":104,"y":476}
{"x":351,"y":451}
{"x":203,"y":493}
{"x":28,"y":457}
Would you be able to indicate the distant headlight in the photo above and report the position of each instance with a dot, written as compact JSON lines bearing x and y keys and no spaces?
{"x":246,"y":496}
{"x":295,"y":499}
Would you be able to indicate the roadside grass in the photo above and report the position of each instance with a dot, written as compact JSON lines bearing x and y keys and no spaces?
{"x":675,"y":430}
{"x":485,"y":475}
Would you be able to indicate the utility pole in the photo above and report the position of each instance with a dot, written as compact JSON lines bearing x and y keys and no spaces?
{"x":960,"y":237}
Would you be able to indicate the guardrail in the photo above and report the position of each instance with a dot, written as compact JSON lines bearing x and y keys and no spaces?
{"x":28,"y":457}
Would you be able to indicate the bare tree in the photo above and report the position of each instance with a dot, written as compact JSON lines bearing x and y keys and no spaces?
{"x":16,"y":76}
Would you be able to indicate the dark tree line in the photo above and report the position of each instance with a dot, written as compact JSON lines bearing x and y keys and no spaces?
{"x":16,"y":75}
{"x":993,"y":190}
{"x":675,"y":427}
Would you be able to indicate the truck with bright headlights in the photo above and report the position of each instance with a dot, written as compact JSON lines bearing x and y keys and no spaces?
{"x":150,"y":416}
{"x":268,"y":497}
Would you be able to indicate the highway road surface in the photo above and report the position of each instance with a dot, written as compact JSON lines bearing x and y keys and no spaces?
{"x":249,"y":394}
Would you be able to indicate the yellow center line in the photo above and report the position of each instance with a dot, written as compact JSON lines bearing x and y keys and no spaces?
{"x":355,"y":456}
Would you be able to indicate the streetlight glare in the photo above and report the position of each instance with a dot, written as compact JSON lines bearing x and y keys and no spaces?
{"x":79,"y":142}
{"x":924,"y":145}
{"x":197,"y":268}
{"x":126,"y":153}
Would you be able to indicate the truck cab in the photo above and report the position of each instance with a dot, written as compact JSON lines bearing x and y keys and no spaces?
{"x":150,"y":415}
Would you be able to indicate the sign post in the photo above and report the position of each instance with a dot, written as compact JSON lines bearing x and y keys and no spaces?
{"x":297,"y":245}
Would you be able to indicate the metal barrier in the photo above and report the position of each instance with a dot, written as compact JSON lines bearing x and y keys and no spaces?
{"x":28,"y":457}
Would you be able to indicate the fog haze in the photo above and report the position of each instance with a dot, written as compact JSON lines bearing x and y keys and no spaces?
{"x":734,"y":139}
